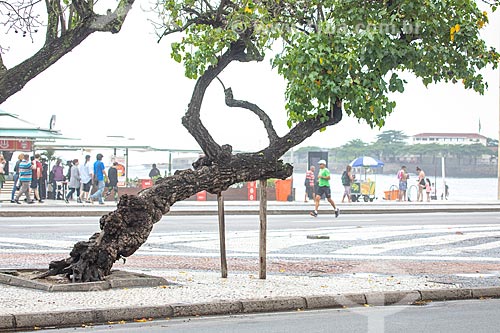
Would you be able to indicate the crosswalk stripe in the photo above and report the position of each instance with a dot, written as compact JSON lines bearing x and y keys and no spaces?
{"x":465,"y":249}
{"x":403,"y":244}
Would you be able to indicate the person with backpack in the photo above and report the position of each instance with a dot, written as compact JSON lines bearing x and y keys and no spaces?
{"x":347,"y":179}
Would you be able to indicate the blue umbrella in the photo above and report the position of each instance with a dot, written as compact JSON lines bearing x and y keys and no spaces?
{"x":366,"y":161}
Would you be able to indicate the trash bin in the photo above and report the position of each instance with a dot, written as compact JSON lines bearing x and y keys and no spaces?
{"x":283,"y":189}
{"x":391,"y":195}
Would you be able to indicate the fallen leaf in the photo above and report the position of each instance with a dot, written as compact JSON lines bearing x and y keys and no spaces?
{"x":163,"y":287}
{"x":121,"y":322}
{"x":282,"y":270}
{"x":459,"y":233}
{"x":366,"y":305}
{"x":143,"y":320}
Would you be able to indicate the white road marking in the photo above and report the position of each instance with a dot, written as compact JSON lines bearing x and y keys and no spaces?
{"x":415,"y":242}
{"x":465,"y":249}
{"x":41,"y":242}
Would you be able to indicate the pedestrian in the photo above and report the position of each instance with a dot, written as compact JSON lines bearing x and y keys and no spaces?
{"x":113,"y":180}
{"x":57,"y":174}
{"x":74,"y":182}
{"x":99,"y":175}
{"x":2,"y":171}
{"x":155,"y":172}
{"x":323,"y":189}
{"x":43,"y":180}
{"x":347,"y":179}
{"x":428,"y":189}
{"x":420,"y":184}
{"x":69,"y":165}
{"x":15,"y":187}
{"x":309,"y":184}
{"x":25,"y":174}
{"x":86,"y":173}
{"x":403,"y":183}
{"x":36,"y":176}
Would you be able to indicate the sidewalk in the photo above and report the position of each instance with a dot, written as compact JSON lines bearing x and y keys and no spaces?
{"x":205,"y":293}
{"x":60,"y":208}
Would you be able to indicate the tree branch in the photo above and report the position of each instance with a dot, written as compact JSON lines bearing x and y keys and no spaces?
{"x":3,"y":69}
{"x":191,"y":119}
{"x":14,"y":79}
{"x":268,"y":124}
{"x":52,"y":21}
{"x":303,"y":130}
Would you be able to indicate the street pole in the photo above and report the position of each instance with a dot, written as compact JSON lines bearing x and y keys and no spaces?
{"x":443,"y":174}
{"x":127,"y":171}
{"x":498,"y":156}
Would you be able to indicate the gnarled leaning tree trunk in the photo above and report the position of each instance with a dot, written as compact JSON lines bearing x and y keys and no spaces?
{"x":128,"y":227}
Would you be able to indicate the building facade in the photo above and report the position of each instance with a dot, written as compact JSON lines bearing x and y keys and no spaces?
{"x":449,"y":138}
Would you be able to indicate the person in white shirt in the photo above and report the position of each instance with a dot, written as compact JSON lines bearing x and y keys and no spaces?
{"x":86,"y":172}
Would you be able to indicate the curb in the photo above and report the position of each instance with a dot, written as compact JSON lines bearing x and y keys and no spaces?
{"x":297,"y":303}
{"x":368,"y":210}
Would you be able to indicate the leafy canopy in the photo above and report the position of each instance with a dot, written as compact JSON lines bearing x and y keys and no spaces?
{"x":338,"y":50}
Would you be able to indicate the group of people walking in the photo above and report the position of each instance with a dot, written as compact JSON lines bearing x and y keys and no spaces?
{"x":28,"y":177}
{"x":31,"y":176}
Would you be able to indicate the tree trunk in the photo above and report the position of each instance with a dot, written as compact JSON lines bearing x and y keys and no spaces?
{"x":128,"y":227}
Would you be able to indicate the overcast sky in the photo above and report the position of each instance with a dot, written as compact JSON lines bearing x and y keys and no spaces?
{"x":127,"y":84}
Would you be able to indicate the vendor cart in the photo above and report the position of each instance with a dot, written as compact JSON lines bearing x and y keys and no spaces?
{"x":364,"y":187}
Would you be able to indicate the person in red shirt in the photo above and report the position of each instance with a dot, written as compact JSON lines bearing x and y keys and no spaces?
{"x":309,"y":183}
{"x":37,"y":176}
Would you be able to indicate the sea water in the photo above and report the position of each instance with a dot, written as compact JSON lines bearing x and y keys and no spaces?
{"x":459,"y":189}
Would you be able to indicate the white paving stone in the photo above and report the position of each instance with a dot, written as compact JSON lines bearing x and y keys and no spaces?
{"x":196,"y":287}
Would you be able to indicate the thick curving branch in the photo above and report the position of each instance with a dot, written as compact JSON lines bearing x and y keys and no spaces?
{"x":268,"y":124}
{"x":191,"y":119}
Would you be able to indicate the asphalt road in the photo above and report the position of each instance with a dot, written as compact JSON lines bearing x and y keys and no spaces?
{"x":431,"y":236}
{"x":86,"y":225}
{"x":478,"y":316}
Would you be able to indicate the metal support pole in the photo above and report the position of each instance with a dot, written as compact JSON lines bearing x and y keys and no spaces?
{"x":170,"y":163}
{"x":443,"y":174}
{"x":127,"y":171}
{"x":222,"y":235}
{"x":263,"y":227}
